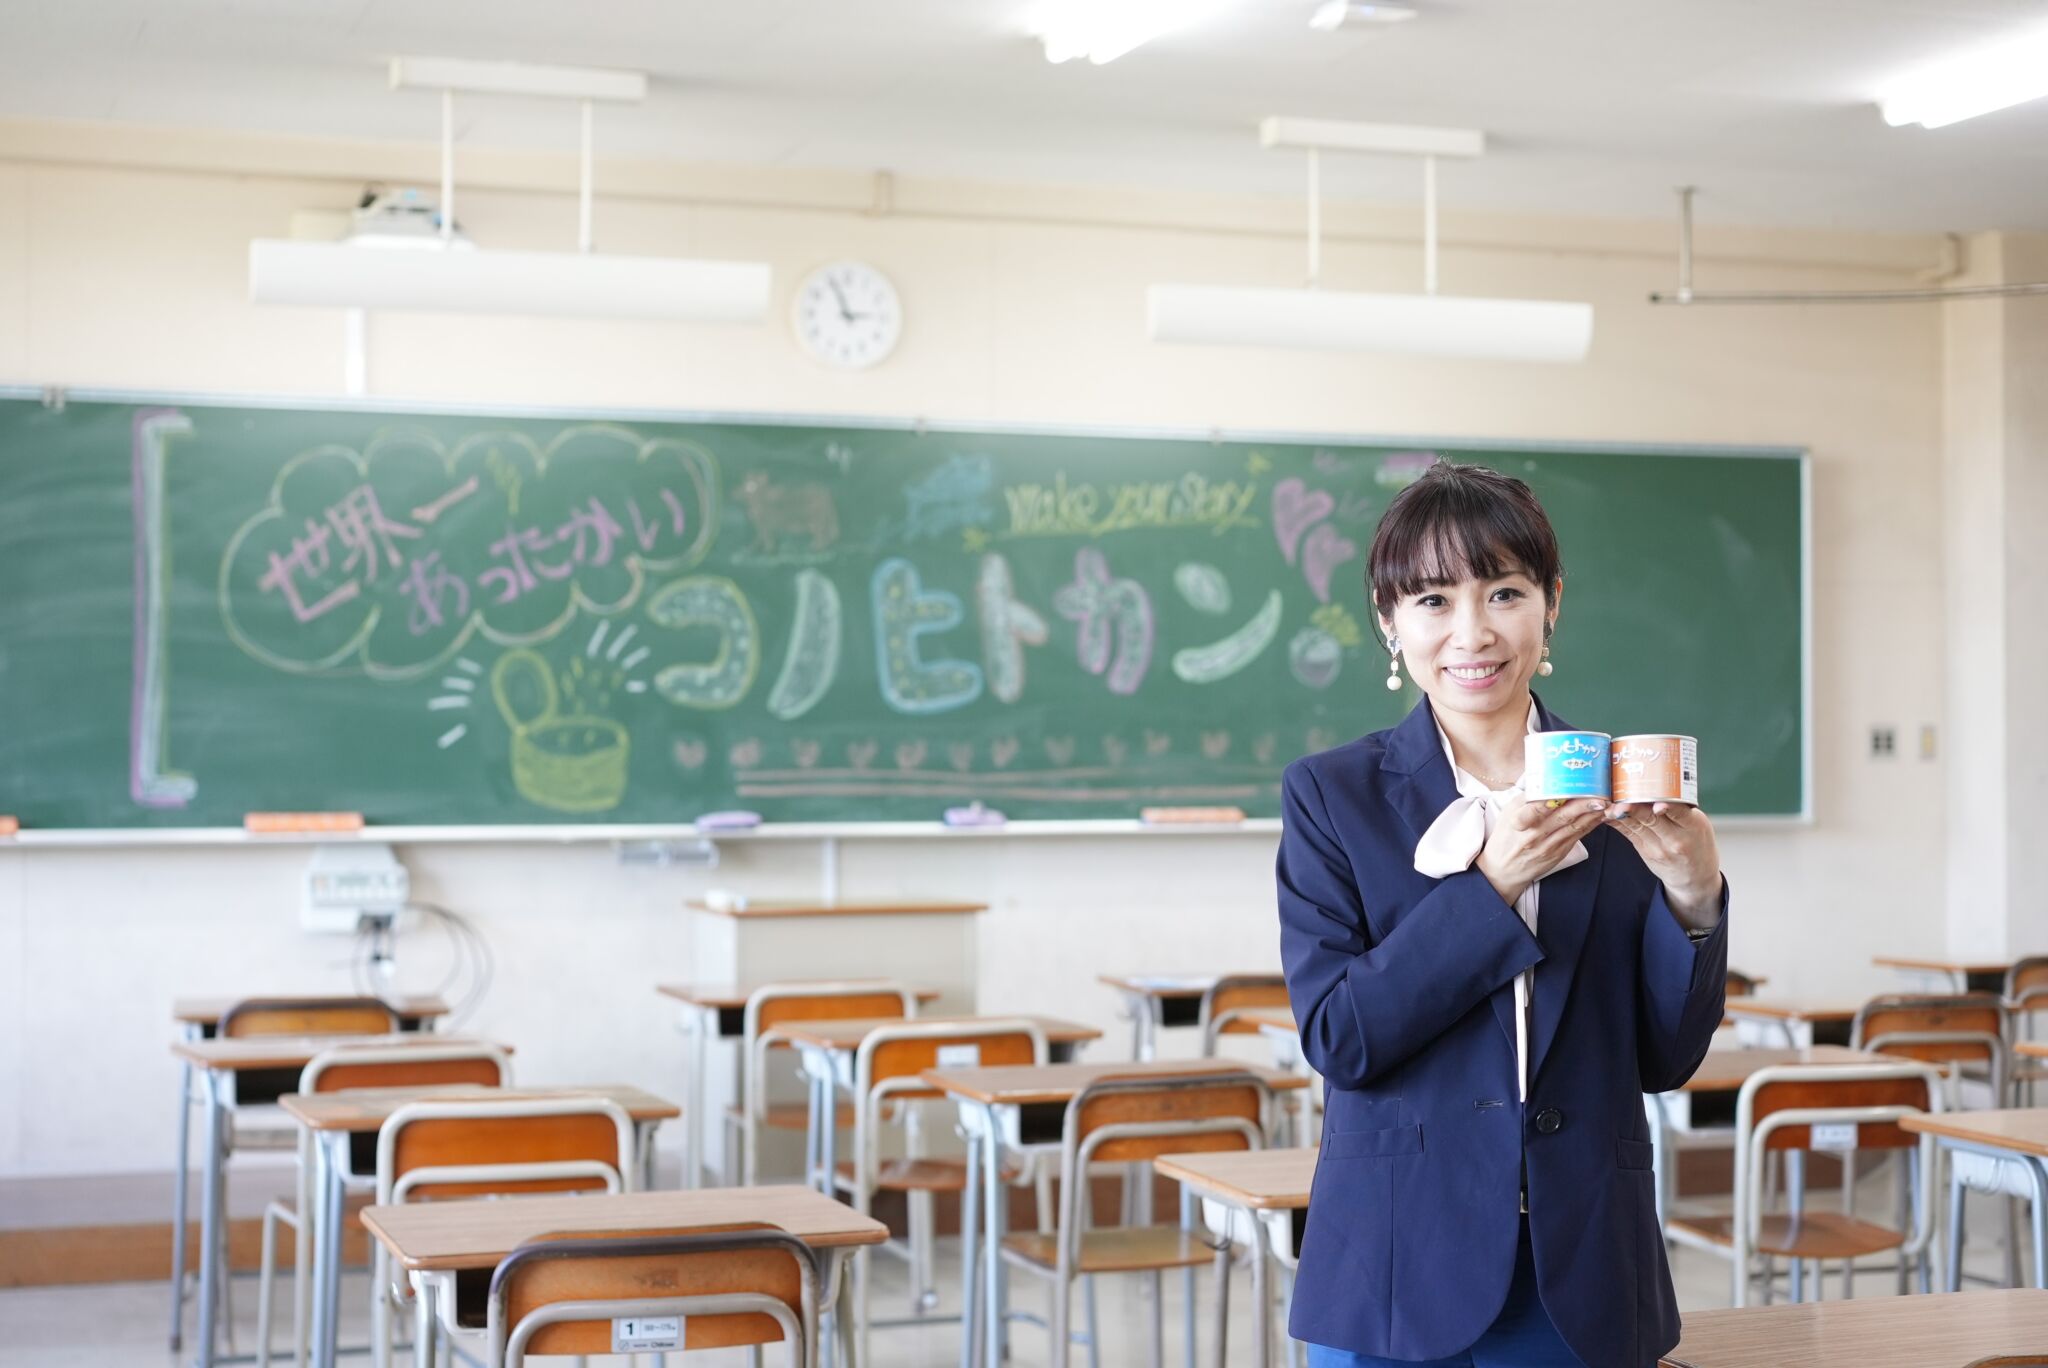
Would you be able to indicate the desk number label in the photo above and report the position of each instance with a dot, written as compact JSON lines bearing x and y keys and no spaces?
{"x":641,"y":1334}
{"x":959,"y":1056}
{"x":1835,"y":1138}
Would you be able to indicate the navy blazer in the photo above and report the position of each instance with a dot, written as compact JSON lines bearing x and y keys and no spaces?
{"x":1403,"y":986}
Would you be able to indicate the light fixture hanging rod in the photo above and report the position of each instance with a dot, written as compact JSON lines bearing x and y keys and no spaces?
{"x":1429,"y":225}
{"x":1315,"y":217}
{"x":583,"y":187}
{"x":516,"y":78}
{"x":447,"y":167}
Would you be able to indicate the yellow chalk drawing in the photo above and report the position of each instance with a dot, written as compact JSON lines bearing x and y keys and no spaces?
{"x":571,"y":764}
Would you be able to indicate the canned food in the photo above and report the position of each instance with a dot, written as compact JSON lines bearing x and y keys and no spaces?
{"x":1566,"y":764}
{"x":1656,"y":769}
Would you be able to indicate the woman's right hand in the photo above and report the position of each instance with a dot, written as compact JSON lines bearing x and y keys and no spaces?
{"x":1530,"y":840}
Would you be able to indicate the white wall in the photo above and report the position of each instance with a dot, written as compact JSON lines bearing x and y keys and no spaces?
{"x":122,"y":263}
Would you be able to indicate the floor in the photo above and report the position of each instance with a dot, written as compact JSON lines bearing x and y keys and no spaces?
{"x":124,"y":1325}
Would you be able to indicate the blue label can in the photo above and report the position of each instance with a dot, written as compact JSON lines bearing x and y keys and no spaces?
{"x":1567,"y":764}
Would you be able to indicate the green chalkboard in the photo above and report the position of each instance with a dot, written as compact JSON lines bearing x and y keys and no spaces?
{"x":452,"y":618}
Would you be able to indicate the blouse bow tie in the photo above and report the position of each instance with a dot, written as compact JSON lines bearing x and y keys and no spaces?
{"x":1451,"y":844}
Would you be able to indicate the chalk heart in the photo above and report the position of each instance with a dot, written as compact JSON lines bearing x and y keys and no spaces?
{"x":1114,"y":749}
{"x":862,"y":753}
{"x":961,"y":753}
{"x":806,"y":753}
{"x":1326,"y":549}
{"x":1059,"y":749}
{"x":910,"y":754}
{"x":1157,"y":743}
{"x":690,"y":754}
{"x":1003,"y":751}
{"x":1296,"y":508}
{"x":1215,"y":745}
{"x":746,"y":754}
{"x":1262,"y":749}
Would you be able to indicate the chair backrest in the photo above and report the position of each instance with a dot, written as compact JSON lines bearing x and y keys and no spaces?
{"x":1224,"y":1005}
{"x":733,"y":1285}
{"x":1740,"y":984}
{"x":891,"y":1059}
{"x":311,"y":1016}
{"x":1779,"y":1107}
{"x":775,"y":1003}
{"x":497,"y":1147}
{"x":1963,"y":1028}
{"x":2027,"y":981}
{"x":405,"y":1066}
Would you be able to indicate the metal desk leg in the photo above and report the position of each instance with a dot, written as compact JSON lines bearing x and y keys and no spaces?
{"x":178,"y":1197}
{"x":1262,"y":1303}
{"x":694,"y":1093}
{"x":302,"y":1251}
{"x":1955,"y":1224}
{"x":327,"y":1250}
{"x":970,"y":1294}
{"x":209,"y":1223}
{"x":2038,"y":1171}
{"x":423,"y":1323}
{"x":992,"y":1239}
{"x":828,"y":1132}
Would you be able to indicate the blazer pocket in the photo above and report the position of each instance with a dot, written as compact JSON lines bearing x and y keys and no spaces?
{"x":1372,"y":1143}
{"x":1634,"y":1154}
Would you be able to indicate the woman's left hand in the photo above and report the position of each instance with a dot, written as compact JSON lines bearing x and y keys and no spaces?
{"x":1677,"y":842}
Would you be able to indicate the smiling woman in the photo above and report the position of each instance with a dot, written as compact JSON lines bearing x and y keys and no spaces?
{"x":1410,"y":875}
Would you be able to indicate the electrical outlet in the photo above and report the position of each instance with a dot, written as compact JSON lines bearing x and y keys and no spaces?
{"x":1884,"y":743}
{"x":1927,"y":741}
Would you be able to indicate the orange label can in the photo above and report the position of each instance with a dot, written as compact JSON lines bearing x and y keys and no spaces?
{"x":1656,"y":769}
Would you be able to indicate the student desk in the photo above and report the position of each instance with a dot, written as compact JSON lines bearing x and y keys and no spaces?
{"x":267,"y":1066}
{"x":435,"y":1241}
{"x":828,"y":1049}
{"x":1964,"y":976}
{"x":1704,"y":1106}
{"x":718,"y":1012}
{"x":1155,"y":1000}
{"x":1791,"y":1024}
{"x":332,"y":1121}
{"x":1271,"y":1188}
{"x":2014,"y":1135}
{"x":197,"y":1019}
{"x":1024,"y":1108}
{"x":1947,"y":1330}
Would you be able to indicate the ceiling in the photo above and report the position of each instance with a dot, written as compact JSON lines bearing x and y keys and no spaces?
{"x":1591,"y":106}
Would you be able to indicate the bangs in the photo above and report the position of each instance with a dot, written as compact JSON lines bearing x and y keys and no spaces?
{"x":1460,"y":522}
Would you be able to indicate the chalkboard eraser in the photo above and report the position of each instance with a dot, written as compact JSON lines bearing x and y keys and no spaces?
{"x":10,"y":826}
{"x":974,"y":815}
{"x":282,"y":823}
{"x":1166,"y":816}
{"x":728,"y":821}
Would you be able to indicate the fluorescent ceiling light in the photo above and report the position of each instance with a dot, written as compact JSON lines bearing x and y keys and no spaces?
{"x":1344,"y":135}
{"x":1335,"y":14}
{"x":579,"y":284}
{"x":1975,"y":83}
{"x":1104,"y":30}
{"x":1424,"y":325}
{"x":516,"y":78}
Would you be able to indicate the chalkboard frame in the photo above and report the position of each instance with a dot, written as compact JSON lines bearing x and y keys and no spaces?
{"x":618,"y":833}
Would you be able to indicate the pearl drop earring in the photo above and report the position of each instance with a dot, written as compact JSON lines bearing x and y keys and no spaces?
{"x":1393,"y":663}
{"x":1543,"y":667}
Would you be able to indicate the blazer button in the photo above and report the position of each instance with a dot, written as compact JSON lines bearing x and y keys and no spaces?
{"x":1549,"y":1121}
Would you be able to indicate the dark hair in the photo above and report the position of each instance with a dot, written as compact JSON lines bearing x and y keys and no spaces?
{"x":1455,"y":521}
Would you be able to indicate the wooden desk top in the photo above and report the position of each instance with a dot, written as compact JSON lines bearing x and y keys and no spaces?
{"x":1161,"y":985}
{"x":1272,"y":1019}
{"x":728,"y":998}
{"x":1942,"y":966}
{"x":2033,"y":1049}
{"x":479,"y":1234}
{"x":207,"y":1011}
{"x":366,"y":1109}
{"x":1781,"y":1009}
{"x":1946,"y":1330}
{"x":849,"y":1033}
{"x":848,"y":909}
{"x":2024,"y":1129}
{"x":1727,"y":1070}
{"x":1262,"y":1180}
{"x":295,"y":1052}
{"x":1019,"y":1084}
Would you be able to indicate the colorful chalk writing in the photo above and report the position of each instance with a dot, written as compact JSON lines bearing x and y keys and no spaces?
{"x":1062,"y":508}
{"x":905,"y":612}
{"x":1113,"y":621}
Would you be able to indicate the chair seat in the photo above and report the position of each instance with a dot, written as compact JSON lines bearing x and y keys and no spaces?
{"x":921,"y":1175}
{"x":1119,"y":1249}
{"x":794,"y":1116}
{"x":1812,"y":1235}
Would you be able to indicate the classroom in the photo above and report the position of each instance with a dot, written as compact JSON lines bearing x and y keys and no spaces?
{"x":915,"y":683}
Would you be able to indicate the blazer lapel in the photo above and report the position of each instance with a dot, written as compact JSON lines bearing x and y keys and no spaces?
{"x":1564,"y":916}
{"x":1421,"y":787}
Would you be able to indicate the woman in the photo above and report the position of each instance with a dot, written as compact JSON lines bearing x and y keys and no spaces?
{"x":1488,"y":986}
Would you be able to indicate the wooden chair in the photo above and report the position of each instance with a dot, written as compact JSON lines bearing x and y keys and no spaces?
{"x":1778,"y":1110}
{"x":1229,"y":998}
{"x":2026,"y":994}
{"x":433,"y":1151}
{"x":314,"y":1016}
{"x":735,"y":1286}
{"x":2010,"y":1361}
{"x":887,"y":1073}
{"x":1740,"y":984}
{"x":1128,"y":1121}
{"x":776,"y":1004}
{"x":362,"y":1066}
